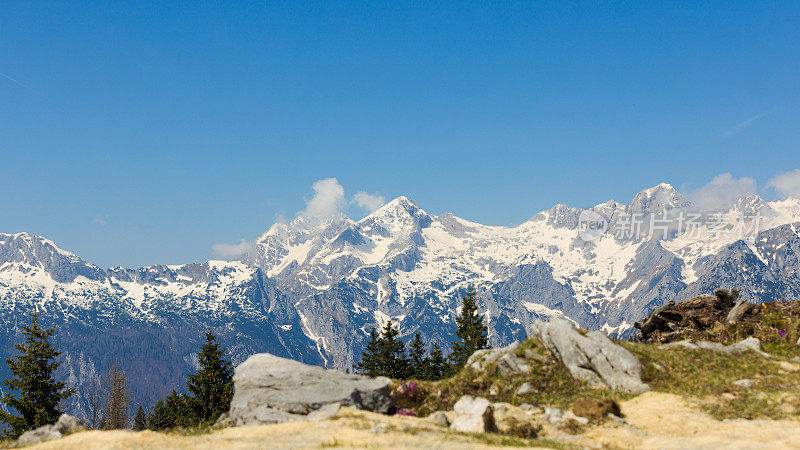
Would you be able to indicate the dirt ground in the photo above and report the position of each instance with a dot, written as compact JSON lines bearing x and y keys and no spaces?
{"x":666,"y":421}
{"x":654,"y":420}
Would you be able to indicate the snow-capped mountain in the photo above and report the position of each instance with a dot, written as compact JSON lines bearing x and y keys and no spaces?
{"x":312,"y":288}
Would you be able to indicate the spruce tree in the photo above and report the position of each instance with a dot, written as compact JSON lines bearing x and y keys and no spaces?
{"x":416,"y":359}
{"x":370,"y":356}
{"x":39,"y":393}
{"x":471,"y":330}
{"x":436,"y":366}
{"x":157,"y":418}
{"x":211,"y":388}
{"x":393,"y":362}
{"x":140,"y":420}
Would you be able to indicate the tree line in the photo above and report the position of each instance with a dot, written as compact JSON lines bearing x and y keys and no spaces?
{"x":34,"y":396}
{"x":386,"y":355}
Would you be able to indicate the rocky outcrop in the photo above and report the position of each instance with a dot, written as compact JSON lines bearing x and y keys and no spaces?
{"x":66,"y":424}
{"x":270,"y":389}
{"x":592,"y":358}
{"x":749,"y":344}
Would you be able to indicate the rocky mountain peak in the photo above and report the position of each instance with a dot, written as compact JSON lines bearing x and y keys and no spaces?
{"x":658,"y":199}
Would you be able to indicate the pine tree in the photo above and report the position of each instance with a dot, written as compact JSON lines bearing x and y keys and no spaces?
{"x":140,"y":420}
{"x":32,"y":373}
{"x":157,"y":418}
{"x":417,"y":361}
{"x":171,"y":412}
{"x":211,"y":388}
{"x":436,"y":364}
{"x":117,"y":407}
{"x":392,"y":362}
{"x":370,"y":357}
{"x":471,"y":330}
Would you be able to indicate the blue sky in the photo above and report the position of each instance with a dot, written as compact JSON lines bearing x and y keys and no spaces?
{"x":136,"y":133}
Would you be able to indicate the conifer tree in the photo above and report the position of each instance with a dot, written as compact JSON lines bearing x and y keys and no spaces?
{"x":471,"y":330}
{"x":140,"y":420}
{"x":416,"y":359}
{"x":393,"y":362}
{"x":370,"y":357}
{"x":39,"y":393}
{"x":157,"y":419}
{"x":436,"y":366}
{"x":211,"y":388}
{"x":117,"y":407}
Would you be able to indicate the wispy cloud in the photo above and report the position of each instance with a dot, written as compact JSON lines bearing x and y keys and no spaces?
{"x":722,"y":190}
{"x":327,"y":201}
{"x":368,"y":202}
{"x":742,"y":125}
{"x":230,"y":251}
{"x":101,"y":219}
{"x":787,"y":183}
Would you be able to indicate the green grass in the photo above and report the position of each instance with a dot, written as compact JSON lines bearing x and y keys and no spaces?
{"x":707,"y":377}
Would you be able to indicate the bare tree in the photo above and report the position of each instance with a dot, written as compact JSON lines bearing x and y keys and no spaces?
{"x":116,"y":410}
{"x":94,"y":401}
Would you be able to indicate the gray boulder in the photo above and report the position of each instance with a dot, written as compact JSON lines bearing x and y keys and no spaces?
{"x":270,"y":389}
{"x":439,"y":418}
{"x":66,"y":424}
{"x":41,"y":434}
{"x":473,"y":415}
{"x":592,"y":358}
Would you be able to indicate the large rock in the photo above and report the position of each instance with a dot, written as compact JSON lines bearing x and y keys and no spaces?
{"x":473,"y":415}
{"x":592,"y":358}
{"x":270,"y":389}
{"x":66,"y":424}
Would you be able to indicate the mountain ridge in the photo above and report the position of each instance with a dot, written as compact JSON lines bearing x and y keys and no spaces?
{"x":310,"y":289}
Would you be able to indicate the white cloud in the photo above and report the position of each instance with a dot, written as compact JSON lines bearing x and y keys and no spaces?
{"x":229,"y":251}
{"x":787,"y":183}
{"x":101,"y":219}
{"x":722,"y":190}
{"x":742,"y":125}
{"x":328,"y":199}
{"x":369,"y":202}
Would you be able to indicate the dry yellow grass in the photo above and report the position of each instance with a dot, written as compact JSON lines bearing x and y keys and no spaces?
{"x":350,"y":429}
{"x":656,"y":420}
{"x":667,"y":421}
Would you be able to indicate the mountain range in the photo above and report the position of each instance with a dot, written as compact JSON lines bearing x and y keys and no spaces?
{"x":311,"y":289}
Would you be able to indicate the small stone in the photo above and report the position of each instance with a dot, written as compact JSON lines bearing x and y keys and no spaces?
{"x":745,"y":383}
{"x":526,"y":406}
{"x":728,"y":396}
{"x":526,"y":388}
{"x":789,"y":367}
{"x":439,"y":418}
{"x":473,"y":415}
{"x":616,"y":418}
{"x":510,"y":364}
{"x":554,"y":415}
